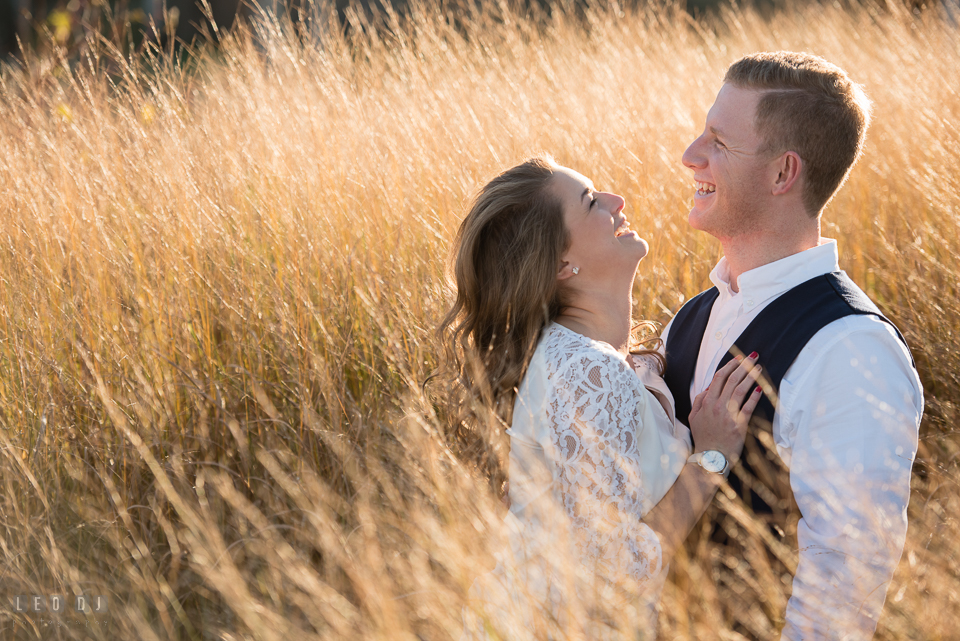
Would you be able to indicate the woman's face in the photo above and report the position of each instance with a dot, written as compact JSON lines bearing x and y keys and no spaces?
{"x":601,"y":243}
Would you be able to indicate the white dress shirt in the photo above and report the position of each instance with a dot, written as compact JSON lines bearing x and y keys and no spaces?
{"x":847,"y":428}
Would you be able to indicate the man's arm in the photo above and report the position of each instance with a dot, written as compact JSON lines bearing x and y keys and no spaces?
{"x":851,"y":408}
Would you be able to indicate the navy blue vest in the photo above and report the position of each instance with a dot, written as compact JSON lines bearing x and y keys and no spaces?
{"x":778,"y":333}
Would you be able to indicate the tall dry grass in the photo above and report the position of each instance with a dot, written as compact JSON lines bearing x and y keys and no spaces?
{"x":219,"y":283}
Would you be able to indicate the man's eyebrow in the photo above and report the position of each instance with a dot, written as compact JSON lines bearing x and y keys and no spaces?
{"x":716,"y":132}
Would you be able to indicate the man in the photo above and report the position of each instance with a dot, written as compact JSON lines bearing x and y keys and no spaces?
{"x":843,"y":397}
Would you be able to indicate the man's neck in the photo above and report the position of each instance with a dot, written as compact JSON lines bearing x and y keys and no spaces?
{"x":746,"y":253}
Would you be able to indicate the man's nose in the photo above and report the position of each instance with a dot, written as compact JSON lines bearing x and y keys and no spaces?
{"x":692,"y":158}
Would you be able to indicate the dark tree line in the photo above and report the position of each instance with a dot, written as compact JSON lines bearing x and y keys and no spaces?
{"x":37,"y":23}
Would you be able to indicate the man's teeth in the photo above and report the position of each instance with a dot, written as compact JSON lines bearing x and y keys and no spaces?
{"x":705,"y":188}
{"x":623,"y":228}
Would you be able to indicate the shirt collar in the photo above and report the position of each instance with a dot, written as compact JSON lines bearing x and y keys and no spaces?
{"x":769,"y":281}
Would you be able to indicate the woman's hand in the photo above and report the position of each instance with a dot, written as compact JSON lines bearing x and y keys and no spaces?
{"x":718,"y":420}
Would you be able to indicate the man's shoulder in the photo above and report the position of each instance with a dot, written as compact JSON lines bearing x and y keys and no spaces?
{"x":857,"y":340}
{"x":706,"y":297}
{"x":851,"y":293}
{"x":850,"y":319}
{"x":855,"y":364}
{"x":857,"y":327}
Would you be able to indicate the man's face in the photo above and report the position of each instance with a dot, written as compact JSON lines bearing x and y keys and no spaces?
{"x":731,"y":188}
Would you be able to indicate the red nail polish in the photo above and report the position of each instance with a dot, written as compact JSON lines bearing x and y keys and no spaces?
{"x":758,"y":389}
{"x":754,"y":355}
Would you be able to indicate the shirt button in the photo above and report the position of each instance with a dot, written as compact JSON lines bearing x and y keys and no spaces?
{"x":750,"y":303}
{"x":718,"y":335}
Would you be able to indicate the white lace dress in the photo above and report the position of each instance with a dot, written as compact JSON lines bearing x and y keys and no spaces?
{"x":592,"y":449}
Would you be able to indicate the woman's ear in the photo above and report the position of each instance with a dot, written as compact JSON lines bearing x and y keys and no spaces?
{"x":789,"y":165}
{"x":566,"y":270}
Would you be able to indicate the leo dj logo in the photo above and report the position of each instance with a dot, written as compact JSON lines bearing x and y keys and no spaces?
{"x":91,"y":604}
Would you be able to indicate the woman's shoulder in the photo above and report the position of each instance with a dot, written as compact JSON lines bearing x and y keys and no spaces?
{"x":567,"y":352}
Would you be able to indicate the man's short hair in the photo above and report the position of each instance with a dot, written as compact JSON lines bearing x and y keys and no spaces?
{"x":811,"y":107}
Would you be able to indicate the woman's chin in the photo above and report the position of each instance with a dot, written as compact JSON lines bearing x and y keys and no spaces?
{"x":641,"y":246}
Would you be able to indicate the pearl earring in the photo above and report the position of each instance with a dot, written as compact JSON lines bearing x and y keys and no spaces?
{"x":576,"y":270}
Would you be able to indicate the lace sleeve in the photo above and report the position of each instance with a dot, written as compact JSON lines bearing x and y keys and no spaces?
{"x":593,"y":413}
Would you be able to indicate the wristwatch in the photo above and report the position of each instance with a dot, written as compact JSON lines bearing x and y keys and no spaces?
{"x":712,"y":461}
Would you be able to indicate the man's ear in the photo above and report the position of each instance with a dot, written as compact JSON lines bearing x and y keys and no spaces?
{"x":566,"y":270}
{"x":789,"y":165}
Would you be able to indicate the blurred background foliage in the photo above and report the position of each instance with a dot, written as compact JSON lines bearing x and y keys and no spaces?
{"x":41,"y":24}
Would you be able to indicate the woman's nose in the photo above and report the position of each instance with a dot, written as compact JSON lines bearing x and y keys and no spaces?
{"x":692,"y":158}
{"x":615,"y":202}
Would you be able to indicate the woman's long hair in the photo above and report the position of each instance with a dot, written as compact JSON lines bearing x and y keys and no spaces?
{"x":506,"y":256}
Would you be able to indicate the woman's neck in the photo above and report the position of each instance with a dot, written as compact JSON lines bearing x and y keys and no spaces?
{"x":602,"y":318}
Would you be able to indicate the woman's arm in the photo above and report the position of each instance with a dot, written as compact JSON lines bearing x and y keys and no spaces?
{"x":718,"y":422}
{"x":600,"y":473}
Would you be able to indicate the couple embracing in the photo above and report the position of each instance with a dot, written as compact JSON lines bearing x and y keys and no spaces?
{"x":783,"y":383}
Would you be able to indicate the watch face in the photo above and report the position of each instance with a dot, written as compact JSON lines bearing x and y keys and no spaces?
{"x":713,"y":461}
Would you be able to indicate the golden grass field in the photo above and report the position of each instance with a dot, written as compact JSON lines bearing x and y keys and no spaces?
{"x":220,"y":282}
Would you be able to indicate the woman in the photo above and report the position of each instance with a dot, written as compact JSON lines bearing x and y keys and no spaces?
{"x":600,"y":486}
